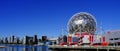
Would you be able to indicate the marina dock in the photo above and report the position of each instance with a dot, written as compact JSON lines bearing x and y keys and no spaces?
{"x":84,"y":48}
{"x":2,"y":46}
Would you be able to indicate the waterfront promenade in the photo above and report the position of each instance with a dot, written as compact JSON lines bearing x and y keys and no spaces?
{"x":84,"y":48}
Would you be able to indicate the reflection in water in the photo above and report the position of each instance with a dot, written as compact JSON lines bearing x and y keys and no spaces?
{"x":34,"y":48}
{"x":29,"y":48}
{"x":11,"y":48}
{"x":24,"y":48}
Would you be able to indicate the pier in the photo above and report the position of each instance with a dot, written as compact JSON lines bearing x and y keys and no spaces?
{"x":84,"y":48}
{"x":2,"y":46}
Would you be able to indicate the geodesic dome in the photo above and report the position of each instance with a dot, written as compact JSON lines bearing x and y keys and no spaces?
{"x":82,"y":22}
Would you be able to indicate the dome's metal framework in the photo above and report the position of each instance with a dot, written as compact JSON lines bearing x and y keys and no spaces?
{"x":82,"y":22}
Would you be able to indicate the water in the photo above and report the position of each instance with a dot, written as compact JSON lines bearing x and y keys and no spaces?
{"x":10,"y":47}
{"x":23,"y":48}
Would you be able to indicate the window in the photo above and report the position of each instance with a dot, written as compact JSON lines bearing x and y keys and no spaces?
{"x":114,"y":38}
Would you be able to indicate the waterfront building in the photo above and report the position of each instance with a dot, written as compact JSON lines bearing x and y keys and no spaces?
{"x":13,"y":38}
{"x":44,"y":38}
{"x":6,"y":40}
{"x":35,"y":40}
{"x":25,"y":40}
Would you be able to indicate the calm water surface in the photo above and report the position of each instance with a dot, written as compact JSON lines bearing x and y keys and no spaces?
{"x":23,"y":48}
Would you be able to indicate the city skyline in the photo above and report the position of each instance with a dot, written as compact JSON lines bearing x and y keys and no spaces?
{"x":22,"y":18}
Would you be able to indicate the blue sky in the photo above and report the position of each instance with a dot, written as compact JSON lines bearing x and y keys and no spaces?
{"x":48,"y":17}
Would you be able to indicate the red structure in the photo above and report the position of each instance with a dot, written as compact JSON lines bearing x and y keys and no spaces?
{"x":85,"y":39}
